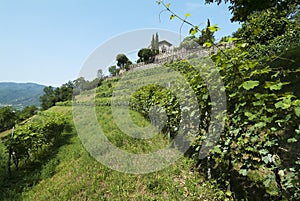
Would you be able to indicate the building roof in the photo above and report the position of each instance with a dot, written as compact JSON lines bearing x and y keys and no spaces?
{"x":164,"y":42}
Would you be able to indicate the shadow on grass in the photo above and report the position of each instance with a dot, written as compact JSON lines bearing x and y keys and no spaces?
{"x":31,"y":173}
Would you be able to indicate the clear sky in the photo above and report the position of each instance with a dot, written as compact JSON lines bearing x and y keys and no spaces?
{"x":47,"y":41}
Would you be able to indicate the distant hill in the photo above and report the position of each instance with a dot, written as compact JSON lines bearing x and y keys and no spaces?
{"x":20,"y":95}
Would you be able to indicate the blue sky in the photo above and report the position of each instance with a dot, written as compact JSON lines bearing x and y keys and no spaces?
{"x":47,"y":41}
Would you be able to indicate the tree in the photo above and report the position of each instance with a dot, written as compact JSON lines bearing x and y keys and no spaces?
{"x":122,"y":60}
{"x":264,"y":26}
{"x":80,"y":83}
{"x":65,"y":92}
{"x":127,"y":65}
{"x":189,"y":42}
{"x":113,"y":70}
{"x":100,"y":74}
{"x":26,"y":113}
{"x":8,"y":118}
{"x":153,"y":43}
{"x":156,"y":48}
{"x":48,"y":99}
{"x":146,"y":55}
{"x":242,"y":9}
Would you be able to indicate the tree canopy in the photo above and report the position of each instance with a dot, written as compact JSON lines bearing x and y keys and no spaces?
{"x":113,"y":70}
{"x":122,"y":60}
{"x":241,"y":9}
{"x":146,"y":54}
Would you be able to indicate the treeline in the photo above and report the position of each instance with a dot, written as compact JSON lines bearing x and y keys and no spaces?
{"x":9,"y":116}
{"x":64,"y":93}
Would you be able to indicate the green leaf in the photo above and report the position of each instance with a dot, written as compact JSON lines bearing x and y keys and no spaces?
{"x":231,"y":39}
{"x":243,"y":45}
{"x":213,"y":28}
{"x":193,"y":31}
{"x":275,"y":85}
{"x":260,"y":125}
{"x":243,"y":172}
{"x":250,"y":115}
{"x":296,"y":103}
{"x":229,"y":193}
{"x":285,"y":102}
{"x":208,"y":44}
{"x":297,"y":111}
{"x":263,"y":151}
{"x":275,"y":75}
{"x":168,"y":5}
{"x":250,"y":84}
{"x":268,"y":179}
{"x":188,"y":15}
{"x":292,"y":140}
{"x":172,"y":17}
{"x":217,"y":150}
{"x":267,"y":159}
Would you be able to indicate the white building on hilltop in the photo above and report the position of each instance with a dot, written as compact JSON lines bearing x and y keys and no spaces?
{"x":165,"y":47}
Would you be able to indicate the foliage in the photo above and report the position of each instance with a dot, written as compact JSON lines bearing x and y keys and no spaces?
{"x":264,"y":26}
{"x":155,"y":43}
{"x":122,"y":61}
{"x":27,"y":112}
{"x":260,"y":143}
{"x":66,"y":92}
{"x":146,"y":55}
{"x":38,"y":132}
{"x":100,"y":74}
{"x":8,"y":118}
{"x":206,"y":35}
{"x":48,"y":99}
{"x":113,"y":70}
{"x":68,"y":172}
{"x":242,"y":9}
{"x":189,"y":42}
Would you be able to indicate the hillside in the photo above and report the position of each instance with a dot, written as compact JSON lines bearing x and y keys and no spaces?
{"x":64,"y":170}
{"x":20,"y":95}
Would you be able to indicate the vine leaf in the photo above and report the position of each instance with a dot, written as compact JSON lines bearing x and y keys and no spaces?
{"x":168,"y":5}
{"x":208,"y":44}
{"x":193,"y":31}
{"x":243,"y":172}
{"x":297,"y":111}
{"x":285,"y":102}
{"x":188,"y":15}
{"x":172,"y":17}
{"x":275,"y":85}
{"x":213,"y":28}
{"x":250,"y":84}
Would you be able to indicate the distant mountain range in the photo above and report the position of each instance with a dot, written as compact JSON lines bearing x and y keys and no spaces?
{"x":20,"y":95}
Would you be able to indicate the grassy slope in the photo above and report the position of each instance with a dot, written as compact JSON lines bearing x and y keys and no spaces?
{"x":70,"y":173}
{"x":80,"y":177}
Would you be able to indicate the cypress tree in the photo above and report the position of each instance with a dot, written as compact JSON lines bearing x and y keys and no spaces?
{"x":156,"y":43}
{"x":153,"y":43}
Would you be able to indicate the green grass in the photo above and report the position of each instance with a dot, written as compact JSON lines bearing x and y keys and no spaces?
{"x":68,"y":172}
